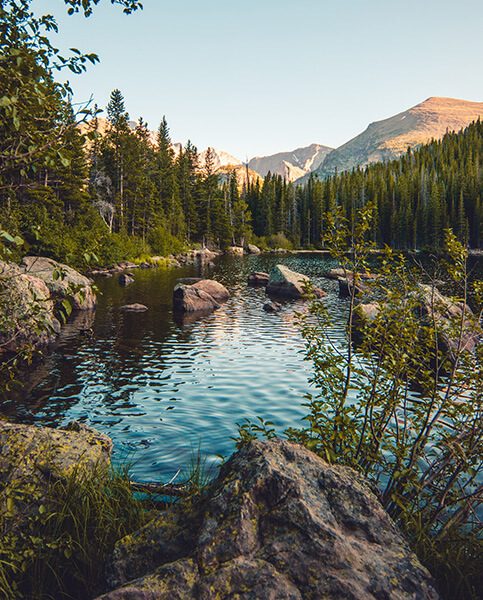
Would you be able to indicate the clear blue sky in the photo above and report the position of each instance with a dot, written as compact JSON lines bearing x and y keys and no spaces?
{"x":256,"y":77}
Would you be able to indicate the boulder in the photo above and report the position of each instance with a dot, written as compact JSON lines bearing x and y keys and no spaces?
{"x":62,"y":281}
{"x":272,"y":307}
{"x":125,"y":279}
{"x":289,"y":284}
{"x":134,"y":308}
{"x":445,"y":311}
{"x":258,"y":278}
{"x":187,"y":298}
{"x":26,"y":310}
{"x":235,"y":250}
{"x":32,"y":457}
{"x":364,"y":314}
{"x":214,"y":288}
{"x":252,"y":249}
{"x":278,"y":523}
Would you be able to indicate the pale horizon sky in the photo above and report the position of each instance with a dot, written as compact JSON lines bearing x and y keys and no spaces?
{"x":260,"y":77}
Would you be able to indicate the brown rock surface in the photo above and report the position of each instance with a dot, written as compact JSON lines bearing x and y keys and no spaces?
{"x":278,"y":523}
{"x":62,"y":281}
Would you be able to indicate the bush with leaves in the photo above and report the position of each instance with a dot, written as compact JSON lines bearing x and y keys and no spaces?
{"x":399,"y":407}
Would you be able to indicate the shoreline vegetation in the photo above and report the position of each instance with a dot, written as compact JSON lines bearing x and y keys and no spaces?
{"x":392,"y":441}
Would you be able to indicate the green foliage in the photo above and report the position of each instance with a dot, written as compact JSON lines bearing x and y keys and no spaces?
{"x":414,"y":197}
{"x":278,"y":240}
{"x":403,"y":407}
{"x":66,"y":533}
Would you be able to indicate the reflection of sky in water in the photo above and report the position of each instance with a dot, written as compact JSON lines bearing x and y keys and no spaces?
{"x":160,"y":389}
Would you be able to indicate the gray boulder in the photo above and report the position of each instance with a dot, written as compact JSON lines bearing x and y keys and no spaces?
{"x":252,"y":249}
{"x":278,"y":523}
{"x":62,"y":281}
{"x":289,"y":284}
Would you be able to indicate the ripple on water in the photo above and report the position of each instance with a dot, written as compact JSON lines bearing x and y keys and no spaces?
{"x":162,"y":390}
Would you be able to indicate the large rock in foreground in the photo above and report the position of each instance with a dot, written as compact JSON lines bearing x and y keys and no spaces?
{"x":279,"y":523}
{"x":62,"y":281}
{"x":289,"y":284}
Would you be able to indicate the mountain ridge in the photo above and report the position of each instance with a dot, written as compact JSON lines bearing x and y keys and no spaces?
{"x":391,"y":137}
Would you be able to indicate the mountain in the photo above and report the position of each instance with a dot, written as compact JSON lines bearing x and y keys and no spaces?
{"x":243,"y":174}
{"x":221,"y":159}
{"x":389,"y":138}
{"x":291,"y":165}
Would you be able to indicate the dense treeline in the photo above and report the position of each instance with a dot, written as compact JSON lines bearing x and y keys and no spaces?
{"x":416,"y":197}
{"x":115,"y":192}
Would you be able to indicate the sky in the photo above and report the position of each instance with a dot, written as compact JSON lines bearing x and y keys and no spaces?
{"x":256,"y":77}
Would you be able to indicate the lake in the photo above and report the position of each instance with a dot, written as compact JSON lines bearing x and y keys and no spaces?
{"x":161,"y":388}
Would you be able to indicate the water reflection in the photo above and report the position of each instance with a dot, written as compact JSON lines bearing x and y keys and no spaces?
{"x":159,"y":386}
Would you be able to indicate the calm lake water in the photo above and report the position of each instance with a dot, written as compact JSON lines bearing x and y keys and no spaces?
{"x":162,"y":388}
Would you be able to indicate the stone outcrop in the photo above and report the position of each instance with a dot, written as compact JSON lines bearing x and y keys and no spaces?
{"x":32,"y":458}
{"x":62,"y":281}
{"x":252,"y":249}
{"x":289,"y":284}
{"x":258,"y":278}
{"x":278,"y":523}
{"x":26,"y":308}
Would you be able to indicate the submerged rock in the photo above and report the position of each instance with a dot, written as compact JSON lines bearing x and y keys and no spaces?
{"x":125,"y":279}
{"x":346,"y":286}
{"x":258,"y":278}
{"x":272,"y":307}
{"x":278,"y":523}
{"x":344,"y":273}
{"x":203,"y":296}
{"x":62,"y":281}
{"x":289,"y":284}
{"x":134,"y":307}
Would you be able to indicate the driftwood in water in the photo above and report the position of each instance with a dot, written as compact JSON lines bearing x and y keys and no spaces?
{"x":181,"y":490}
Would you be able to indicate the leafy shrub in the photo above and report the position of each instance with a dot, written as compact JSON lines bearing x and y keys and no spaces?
{"x":279,"y":240}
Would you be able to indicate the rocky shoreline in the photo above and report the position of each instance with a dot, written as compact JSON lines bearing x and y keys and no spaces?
{"x":278,"y":522}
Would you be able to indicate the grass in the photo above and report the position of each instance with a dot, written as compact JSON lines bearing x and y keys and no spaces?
{"x":62,"y":548}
